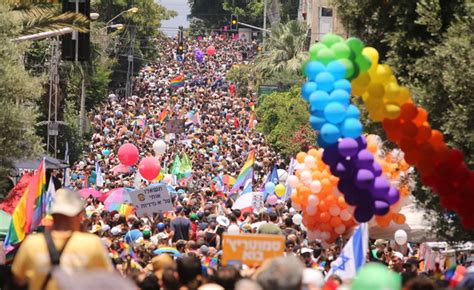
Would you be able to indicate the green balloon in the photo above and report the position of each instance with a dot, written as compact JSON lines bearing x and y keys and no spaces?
{"x":374,"y":276}
{"x":315,"y":48}
{"x":325,"y":56}
{"x":341,"y":50}
{"x":349,"y":67}
{"x":363,"y":62}
{"x":330,"y":39}
{"x":356,"y":45}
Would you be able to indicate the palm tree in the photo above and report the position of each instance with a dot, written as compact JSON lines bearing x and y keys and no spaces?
{"x":41,"y":15}
{"x":284,"y":50}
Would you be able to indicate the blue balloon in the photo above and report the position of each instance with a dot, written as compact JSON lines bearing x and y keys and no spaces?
{"x":319,"y":100}
{"x":335,"y":113}
{"x":316,"y":122}
{"x":330,"y":133}
{"x":270,"y":187}
{"x":340,"y":96}
{"x":322,"y":143}
{"x":74,"y":176}
{"x":352,"y":112}
{"x":313,"y":68}
{"x":337,"y":69}
{"x":106,"y":152}
{"x":307,"y":89}
{"x":351,"y":128}
{"x":325,"y":81}
{"x":343,"y":85}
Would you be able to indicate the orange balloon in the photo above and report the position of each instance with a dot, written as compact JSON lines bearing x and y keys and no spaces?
{"x":313,"y":152}
{"x":409,"y":130}
{"x":330,"y":200}
{"x":421,"y":117}
{"x":341,"y":202}
{"x":316,"y":175}
{"x":295,"y":198}
{"x":323,"y":206}
{"x":324,"y":217}
{"x":336,"y":221}
{"x":437,"y":138}
{"x":300,"y":157}
{"x":409,"y":111}
{"x":423,"y":133}
{"x":400,"y":218}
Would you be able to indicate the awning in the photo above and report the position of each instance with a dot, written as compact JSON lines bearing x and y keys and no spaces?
{"x":51,"y":163}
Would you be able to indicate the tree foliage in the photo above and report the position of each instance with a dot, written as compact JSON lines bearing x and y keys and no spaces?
{"x":428,"y":43}
{"x":284,"y":50}
{"x":283,"y":116}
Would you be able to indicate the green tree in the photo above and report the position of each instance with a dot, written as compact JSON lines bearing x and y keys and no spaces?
{"x":18,"y":93}
{"x":283,"y":119}
{"x":428,"y":43}
{"x":285,"y":50}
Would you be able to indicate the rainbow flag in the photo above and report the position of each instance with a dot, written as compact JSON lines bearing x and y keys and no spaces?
{"x":251,"y":121}
{"x":177,"y":82}
{"x":245,"y":174}
{"x":30,"y":210}
{"x":163,"y":115}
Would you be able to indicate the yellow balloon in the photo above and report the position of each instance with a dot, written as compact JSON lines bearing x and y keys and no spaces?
{"x":383,"y":73}
{"x":361,"y":82}
{"x":373,"y":55}
{"x":376,"y":90}
{"x":392,"y":89}
{"x":280,"y":190}
{"x":377,"y":115}
{"x":392,"y":111}
{"x":374,"y":104}
{"x":404,"y":96}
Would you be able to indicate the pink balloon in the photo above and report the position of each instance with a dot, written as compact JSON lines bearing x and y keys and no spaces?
{"x":149,"y":168}
{"x":272,"y":199}
{"x":128,"y":154}
{"x":211,"y":50}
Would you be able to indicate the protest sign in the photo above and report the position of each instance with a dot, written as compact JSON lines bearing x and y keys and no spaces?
{"x":152,"y":200}
{"x":175,"y":126}
{"x":251,"y":249}
{"x":257,"y":200}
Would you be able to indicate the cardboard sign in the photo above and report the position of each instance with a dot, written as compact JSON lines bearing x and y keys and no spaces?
{"x":175,"y":126}
{"x":257,"y":200}
{"x":251,"y":249}
{"x":151,"y":200}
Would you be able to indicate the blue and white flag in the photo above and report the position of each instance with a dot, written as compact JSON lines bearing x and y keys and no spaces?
{"x":49,"y":196}
{"x":291,"y":170}
{"x":352,"y":257}
{"x":247,"y":187}
{"x":99,"y":181}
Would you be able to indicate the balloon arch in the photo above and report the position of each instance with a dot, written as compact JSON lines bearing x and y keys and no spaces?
{"x":336,"y":70}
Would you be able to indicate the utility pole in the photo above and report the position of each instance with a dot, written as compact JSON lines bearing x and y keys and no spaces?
{"x":130,"y":60}
{"x":265,"y":4}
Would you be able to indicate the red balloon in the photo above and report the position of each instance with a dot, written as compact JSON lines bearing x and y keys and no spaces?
{"x":128,"y":154}
{"x":211,"y":50}
{"x":408,"y":111}
{"x":149,"y":168}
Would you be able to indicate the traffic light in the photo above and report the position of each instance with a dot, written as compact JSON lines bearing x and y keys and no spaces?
{"x":180,"y":49}
{"x":68,"y":46}
{"x":234,"y":22}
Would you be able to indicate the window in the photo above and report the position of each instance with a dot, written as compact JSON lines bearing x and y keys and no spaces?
{"x":326,"y":12}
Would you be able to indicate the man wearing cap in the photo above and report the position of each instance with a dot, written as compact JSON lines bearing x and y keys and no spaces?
{"x":80,"y":251}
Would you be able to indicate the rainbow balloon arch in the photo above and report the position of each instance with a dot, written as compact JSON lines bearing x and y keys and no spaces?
{"x":336,"y":70}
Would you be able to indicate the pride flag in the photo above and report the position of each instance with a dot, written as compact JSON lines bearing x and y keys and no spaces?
{"x":177,"y":82}
{"x":163,"y":115}
{"x":246,"y":172}
{"x":30,"y":210}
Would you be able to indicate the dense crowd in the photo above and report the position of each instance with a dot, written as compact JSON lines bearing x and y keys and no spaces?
{"x":183,"y":249}
{"x":218,"y":139}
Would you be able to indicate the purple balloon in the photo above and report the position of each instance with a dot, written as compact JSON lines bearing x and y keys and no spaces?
{"x":346,"y":186}
{"x":381,"y":207}
{"x":376,"y":168}
{"x":348,"y":147}
{"x":351,"y":198}
{"x":362,"y":142}
{"x":380,"y":187}
{"x":331,"y":155}
{"x":392,"y":196}
{"x":363,"y":214}
{"x":364,"y":178}
{"x":364,"y":159}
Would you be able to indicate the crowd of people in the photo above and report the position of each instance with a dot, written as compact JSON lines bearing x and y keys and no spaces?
{"x":183,"y":249}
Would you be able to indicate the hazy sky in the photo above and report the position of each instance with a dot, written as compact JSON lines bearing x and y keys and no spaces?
{"x":170,"y":27}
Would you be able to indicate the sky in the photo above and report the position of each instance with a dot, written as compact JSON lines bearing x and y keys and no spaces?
{"x":170,"y":27}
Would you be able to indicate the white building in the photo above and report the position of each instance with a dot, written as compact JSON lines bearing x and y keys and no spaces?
{"x":321,"y":18}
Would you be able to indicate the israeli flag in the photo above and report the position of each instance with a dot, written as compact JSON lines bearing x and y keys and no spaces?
{"x":99,"y":181}
{"x":352,"y":257}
